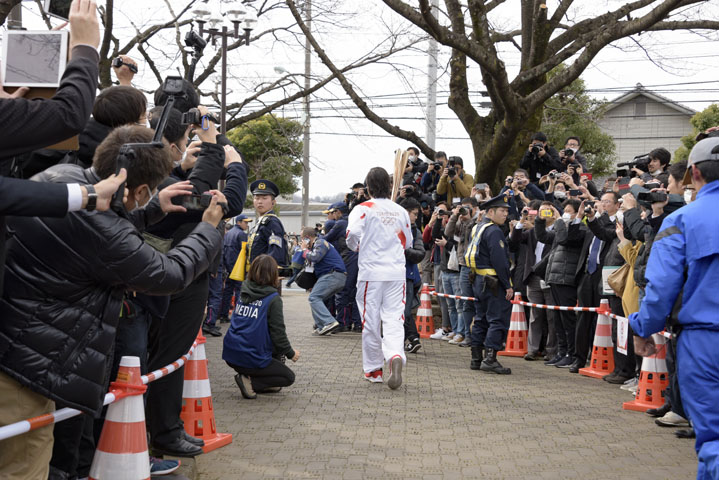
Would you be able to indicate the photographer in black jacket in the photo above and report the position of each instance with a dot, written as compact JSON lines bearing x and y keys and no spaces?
{"x":540,"y":158}
{"x":65,"y":283}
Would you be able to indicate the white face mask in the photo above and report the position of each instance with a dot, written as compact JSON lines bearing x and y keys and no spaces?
{"x":688,"y":196}
{"x":478,"y":197}
{"x":620,"y":217}
{"x":412,"y":158}
{"x":567,"y":217}
{"x":560,"y":194}
{"x":137,"y":205}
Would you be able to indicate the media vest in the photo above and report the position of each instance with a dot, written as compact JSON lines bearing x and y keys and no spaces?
{"x":247,"y":343}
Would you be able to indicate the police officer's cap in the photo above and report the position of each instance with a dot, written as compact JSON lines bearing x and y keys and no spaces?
{"x":341,"y":206}
{"x":264,"y":187}
{"x":501,"y":200}
{"x":704,"y":151}
{"x":242,"y":218}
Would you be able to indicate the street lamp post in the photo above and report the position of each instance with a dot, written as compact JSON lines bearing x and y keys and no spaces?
{"x":210,"y":14}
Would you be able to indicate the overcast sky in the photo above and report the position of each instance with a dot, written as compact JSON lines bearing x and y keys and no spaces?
{"x":344,"y":146}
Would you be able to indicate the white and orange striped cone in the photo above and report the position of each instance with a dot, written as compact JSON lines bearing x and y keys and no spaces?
{"x":653,"y":379}
{"x":517,"y":334}
{"x":424,"y":320}
{"x":602,"y":363}
{"x":198,"y":412}
{"x":122,"y":450}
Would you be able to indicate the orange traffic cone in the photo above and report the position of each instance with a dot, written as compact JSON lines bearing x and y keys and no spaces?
{"x":653,"y":379}
{"x":197,"y":410}
{"x":424,"y":320}
{"x":517,"y":334}
{"x":122,"y":450}
{"x":602,"y":363}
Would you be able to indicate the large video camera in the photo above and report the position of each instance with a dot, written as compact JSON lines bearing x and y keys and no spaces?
{"x":172,"y":87}
{"x":626,"y":169}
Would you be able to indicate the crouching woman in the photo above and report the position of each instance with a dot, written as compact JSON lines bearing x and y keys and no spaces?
{"x":256,"y":340}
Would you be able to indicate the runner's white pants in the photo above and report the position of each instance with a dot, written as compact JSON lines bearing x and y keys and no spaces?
{"x":381,"y":305}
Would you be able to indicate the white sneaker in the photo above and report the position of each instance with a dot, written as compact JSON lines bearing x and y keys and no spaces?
{"x":438,"y":334}
{"x":395,"y":372}
{"x":449,"y":336}
{"x":672,"y":419}
{"x":630,"y":385}
{"x":329,"y":328}
{"x":459,"y":338}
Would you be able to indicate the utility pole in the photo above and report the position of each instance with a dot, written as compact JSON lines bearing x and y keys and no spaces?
{"x":432,"y":87}
{"x":306,"y":127}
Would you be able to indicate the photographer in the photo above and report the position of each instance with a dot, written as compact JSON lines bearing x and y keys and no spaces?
{"x":566,"y":238}
{"x":67,"y":280}
{"x":430,"y":179}
{"x":571,"y":154}
{"x":415,"y":167}
{"x":522,"y":192}
{"x":357,"y":196}
{"x":459,"y":226}
{"x":454,"y":182}
{"x":540,"y":158}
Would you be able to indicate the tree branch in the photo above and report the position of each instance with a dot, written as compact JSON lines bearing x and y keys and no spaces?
{"x":361,"y":104}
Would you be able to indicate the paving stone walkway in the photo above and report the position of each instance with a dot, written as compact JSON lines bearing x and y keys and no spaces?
{"x":446,"y":421}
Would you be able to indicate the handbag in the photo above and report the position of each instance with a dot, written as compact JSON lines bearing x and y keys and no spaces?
{"x":306,"y":279}
{"x":617,"y":280}
{"x":238,"y":271}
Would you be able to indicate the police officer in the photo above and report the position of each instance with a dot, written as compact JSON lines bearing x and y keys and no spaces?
{"x":487,"y":256}
{"x":685,"y":255}
{"x":267,"y":235}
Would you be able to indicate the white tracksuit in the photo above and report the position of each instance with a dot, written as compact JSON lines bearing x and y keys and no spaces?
{"x":380,"y":231}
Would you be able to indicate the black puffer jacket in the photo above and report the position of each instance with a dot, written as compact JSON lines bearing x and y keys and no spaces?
{"x":566,"y":242}
{"x":64,"y":284}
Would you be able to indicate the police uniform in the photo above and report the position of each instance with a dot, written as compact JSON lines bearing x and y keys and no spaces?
{"x":685,"y":256}
{"x":487,"y":257}
{"x":267,"y":235}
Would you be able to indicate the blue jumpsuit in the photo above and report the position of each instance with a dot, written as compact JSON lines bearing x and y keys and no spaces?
{"x":685,"y":255}
{"x":488,"y":256}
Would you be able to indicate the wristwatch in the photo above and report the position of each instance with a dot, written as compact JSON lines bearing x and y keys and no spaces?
{"x":91,"y":198}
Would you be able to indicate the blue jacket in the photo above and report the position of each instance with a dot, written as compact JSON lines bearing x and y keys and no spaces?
{"x":685,"y":254}
{"x":336,"y":235}
{"x":325,"y":258}
{"x":232,"y":246}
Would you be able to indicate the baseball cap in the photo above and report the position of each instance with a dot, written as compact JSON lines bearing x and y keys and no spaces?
{"x":704,"y":151}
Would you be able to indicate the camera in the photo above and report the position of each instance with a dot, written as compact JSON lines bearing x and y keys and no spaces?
{"x":546,"y":213}
{"x":437,"y":167}
{"x":552,"y":175}
{"x":117,"y":63}
{"x":409,"y":189}
{"x":568,"y":152}
{"x":194,"y":117}
{"x":536,"y":147}
{"x":652,"y":197}
{"x":452,"y":171}
{"x":463,"y":211}
{"x":588,"y":207}
{"x":193,"y":40}
{"x":640,"y":161}
{"x":442,"y":212}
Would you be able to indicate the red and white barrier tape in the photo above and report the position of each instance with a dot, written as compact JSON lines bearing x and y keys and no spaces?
{"x":51,"y":418}
{"x":521,"y":302}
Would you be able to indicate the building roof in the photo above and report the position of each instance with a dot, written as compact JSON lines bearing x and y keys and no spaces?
{"x":641,"y":90}
{"x":297,"y":207}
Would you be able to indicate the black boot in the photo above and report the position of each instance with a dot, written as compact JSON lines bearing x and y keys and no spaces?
{"x":476,"y":358}
{"x":490,"y":364}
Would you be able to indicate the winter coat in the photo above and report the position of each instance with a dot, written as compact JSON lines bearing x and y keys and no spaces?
{"x":275,"y":318}
{"x":566,"y":242}
{"x":65,"y":281}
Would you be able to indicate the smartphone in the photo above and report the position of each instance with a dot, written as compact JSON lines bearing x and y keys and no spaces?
{"x":482,"y":187}
{"x":546,"y":213}
{"x":196,"y":202}
{"x":58,"y":8}
{"x":34,"y":58}
{"x":575,"y":193}
{"x":588,"y":176}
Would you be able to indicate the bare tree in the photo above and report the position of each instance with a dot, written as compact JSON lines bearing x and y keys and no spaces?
{"x":544,"y":39}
